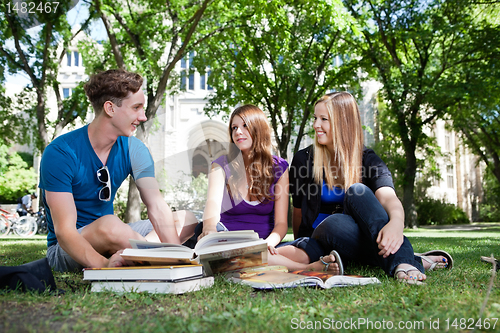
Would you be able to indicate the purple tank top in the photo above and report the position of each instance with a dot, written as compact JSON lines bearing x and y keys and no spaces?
{"x":241,"y":215}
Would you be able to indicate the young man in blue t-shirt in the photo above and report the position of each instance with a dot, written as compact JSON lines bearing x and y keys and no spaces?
{"x":81,"y":171}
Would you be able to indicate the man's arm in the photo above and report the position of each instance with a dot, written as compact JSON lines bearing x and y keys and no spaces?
{"x":159,"y":212}
{"x":63,"y":212}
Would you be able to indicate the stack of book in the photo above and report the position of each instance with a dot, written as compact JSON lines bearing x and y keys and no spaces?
{"x":154,"y":279}
{"x":171,"y":268}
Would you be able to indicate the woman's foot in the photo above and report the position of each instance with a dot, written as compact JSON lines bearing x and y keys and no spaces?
{"x":409,"y":274}
{"x":331,"y":264}
{"x":433,"y":262}
{"x":436,"y":259}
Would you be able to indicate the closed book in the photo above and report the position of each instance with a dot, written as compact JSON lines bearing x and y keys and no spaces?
{"x":167,"y":273}
{"x":161,"y":287}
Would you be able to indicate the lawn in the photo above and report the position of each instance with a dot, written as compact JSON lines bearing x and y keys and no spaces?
{"x":450,"y":301}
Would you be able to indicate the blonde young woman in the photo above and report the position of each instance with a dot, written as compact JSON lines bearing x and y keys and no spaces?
{"x":344,"y":198}
{"x":248,"y":188}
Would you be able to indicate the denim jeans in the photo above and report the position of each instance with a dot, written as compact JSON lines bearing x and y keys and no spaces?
{"x":354,"y":234}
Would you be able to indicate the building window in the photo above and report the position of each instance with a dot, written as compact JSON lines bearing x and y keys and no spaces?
{"x":436,"y":181}
{"x":183,"y":80}
{"x":77,"y":58}
{"x":447,"y":141}
{"x":450,"y":176}
{"x":191,"y":81}
{"x":209,"y":87}
{"x":66,"y":92}
{"x":187,"y":72}
{"x":203,"y":85}
{"x":204,"y":80}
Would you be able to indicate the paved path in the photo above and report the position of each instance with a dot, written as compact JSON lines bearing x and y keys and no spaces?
{"x":472,"y":226}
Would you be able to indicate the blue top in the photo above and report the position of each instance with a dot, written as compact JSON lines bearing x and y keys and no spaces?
{"x":247,"y":216}
{"x":334,"y":196}
{"x":70,"y":164}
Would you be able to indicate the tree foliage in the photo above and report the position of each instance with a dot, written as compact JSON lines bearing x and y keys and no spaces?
{"x":282,"y":56}
{"x":16,"y":177}
{"x":489,"y":208}
{"x":476,"y":115}
{"x":34,"y":53}
{"x":6,"y":123}
{"x":414,"y":48}
{"x":188,"y":195}
{"x":151,"y":37}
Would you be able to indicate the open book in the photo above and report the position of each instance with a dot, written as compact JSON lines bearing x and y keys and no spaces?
{"x":270,"y":278}
{"x":217,"y":252}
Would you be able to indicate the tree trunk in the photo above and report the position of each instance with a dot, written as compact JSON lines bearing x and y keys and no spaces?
{"x":133,"y":210}
{"x":408,"y":189}
{"x":283,"y":148}
{"x":40,"y":116}
{"x":458,"y":164}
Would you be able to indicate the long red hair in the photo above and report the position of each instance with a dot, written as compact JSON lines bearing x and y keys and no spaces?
{"x":261,"y":166}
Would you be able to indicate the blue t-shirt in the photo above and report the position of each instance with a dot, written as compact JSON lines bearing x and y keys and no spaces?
{"x":70,"y":164}
{"x":335,"y":195}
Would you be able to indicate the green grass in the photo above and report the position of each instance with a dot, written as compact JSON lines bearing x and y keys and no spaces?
{"x":227,"y":307}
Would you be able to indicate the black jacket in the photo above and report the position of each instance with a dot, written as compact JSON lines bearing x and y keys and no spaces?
{"x":306,"y":193}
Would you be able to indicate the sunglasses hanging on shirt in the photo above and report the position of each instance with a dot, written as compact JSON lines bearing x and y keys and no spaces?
{"x":103,"y":177}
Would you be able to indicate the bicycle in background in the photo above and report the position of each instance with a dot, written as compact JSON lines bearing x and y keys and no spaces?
{"x":24,"y":226}
{"x":41,"y":222}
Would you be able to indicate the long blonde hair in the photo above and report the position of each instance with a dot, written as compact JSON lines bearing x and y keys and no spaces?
{"x":261,"y":167}
{"x":345,"y":124}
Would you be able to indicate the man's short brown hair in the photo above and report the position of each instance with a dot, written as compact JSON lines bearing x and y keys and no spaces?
{"x":113,"y":85}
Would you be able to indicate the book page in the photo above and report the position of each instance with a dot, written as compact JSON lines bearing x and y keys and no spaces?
{"x":331,"y":280}
{"x":225,"y":237}
{"x":239,"y":262}
{"x":140,"y":244}
{"x":321,"y":275}
{"x":277,"y":279}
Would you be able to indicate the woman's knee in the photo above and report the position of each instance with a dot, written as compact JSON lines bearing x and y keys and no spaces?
{"x":359,"y":193}
{"x":333,"y":224}
{"x":358,"y":189}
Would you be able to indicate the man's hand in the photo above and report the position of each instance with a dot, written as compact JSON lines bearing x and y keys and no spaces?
{"x":389,"y":239}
